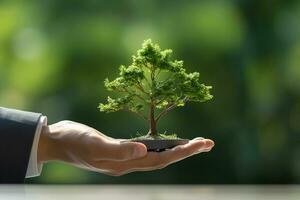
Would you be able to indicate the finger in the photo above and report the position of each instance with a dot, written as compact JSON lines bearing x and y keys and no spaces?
{"x":183,"y":151}
{"x":121,"y":151}
{"x":209,"y":144}
{"x":155,"y":160}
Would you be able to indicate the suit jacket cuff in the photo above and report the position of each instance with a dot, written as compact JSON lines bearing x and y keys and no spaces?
{"x":34,"y":168}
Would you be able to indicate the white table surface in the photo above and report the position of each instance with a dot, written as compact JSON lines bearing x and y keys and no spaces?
{"x":150,"y":192}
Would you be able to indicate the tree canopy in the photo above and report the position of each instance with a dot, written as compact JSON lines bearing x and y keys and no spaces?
{"x":154,"y":82}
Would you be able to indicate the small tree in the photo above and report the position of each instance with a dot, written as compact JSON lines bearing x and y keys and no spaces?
{"x":153,"y":85}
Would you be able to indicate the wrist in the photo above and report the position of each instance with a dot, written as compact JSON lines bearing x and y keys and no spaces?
{"x":48,"y":147}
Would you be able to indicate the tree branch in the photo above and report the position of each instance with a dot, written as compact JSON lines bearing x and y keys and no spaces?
{"x":160,"y":101}
{"x":133,"y":94}
{"x":158,"y":72}
{"x":140,"y":97}
{"x":165,"y":111}
{"x":140,"y":87}
{"x":169,"y":108}
{"x":168,"y":78}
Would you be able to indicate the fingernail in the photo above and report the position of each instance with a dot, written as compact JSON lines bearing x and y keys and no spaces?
{"x":199,"y":138}
{"x":209,"y":143}
{"x":139,"y":152}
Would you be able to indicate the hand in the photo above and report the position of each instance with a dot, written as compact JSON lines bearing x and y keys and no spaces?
{"x":87,"y":148}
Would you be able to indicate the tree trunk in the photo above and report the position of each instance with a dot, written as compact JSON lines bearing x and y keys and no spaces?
{"x":152,"y":131}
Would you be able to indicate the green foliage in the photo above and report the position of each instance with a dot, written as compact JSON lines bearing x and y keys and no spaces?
{"x":156,"y":81}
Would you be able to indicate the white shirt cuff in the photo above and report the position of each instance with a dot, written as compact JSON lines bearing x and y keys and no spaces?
{"x":34,"y":168}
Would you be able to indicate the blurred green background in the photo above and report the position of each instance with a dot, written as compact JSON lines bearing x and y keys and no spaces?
{"x":54,"y":56}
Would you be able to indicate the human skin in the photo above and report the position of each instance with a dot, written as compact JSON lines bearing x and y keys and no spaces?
{"x":84,"y":147}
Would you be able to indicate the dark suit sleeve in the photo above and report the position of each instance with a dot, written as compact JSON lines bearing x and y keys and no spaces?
{"x":17,"y":130}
